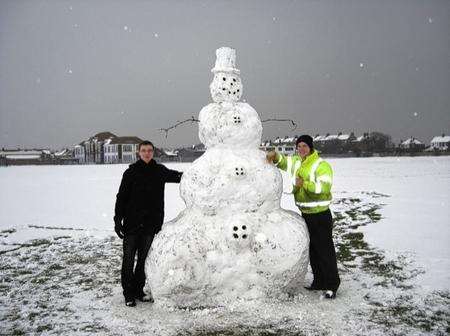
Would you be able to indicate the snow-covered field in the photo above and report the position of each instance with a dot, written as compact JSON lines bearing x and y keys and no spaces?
{"x":60,"y":260}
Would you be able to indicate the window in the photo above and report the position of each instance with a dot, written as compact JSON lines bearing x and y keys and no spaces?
{"x":127,"y":148}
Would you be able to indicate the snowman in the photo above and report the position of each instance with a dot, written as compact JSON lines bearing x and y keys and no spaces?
{"x":232,"y":241}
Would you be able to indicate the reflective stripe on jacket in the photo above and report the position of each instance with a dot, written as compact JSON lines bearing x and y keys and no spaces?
{"x":315,"y":194}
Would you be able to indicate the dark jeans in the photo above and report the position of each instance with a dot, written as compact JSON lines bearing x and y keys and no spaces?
{"x":133,"y":279}
{"x":322,"y":254}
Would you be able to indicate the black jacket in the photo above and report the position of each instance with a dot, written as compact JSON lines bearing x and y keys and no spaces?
{"x":140,"y":200}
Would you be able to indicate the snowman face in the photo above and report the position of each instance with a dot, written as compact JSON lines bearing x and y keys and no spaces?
{"x":226,"y":87}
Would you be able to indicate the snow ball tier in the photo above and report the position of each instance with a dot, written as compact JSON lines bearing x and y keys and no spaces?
{"x":227,"y":122}
{"x":230,"y":125}
{"x":226,"y":85}
{"x":228,"y":181}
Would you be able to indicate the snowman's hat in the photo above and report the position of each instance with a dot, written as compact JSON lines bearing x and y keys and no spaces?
{"x":226,"y":61}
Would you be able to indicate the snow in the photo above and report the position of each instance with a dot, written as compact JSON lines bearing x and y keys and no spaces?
{"x":438,"y":139}
{"x":22,"y":157}
{"x":416,"y":216}
{"x":53,"y":202}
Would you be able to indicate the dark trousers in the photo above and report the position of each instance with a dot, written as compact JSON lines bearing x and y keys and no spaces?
{"x":322,"y":254}
{"x":133,"y":278}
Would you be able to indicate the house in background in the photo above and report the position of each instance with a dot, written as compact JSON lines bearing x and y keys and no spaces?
{"x":121,"y":149}
{"x":93,"y":148}
{"x":22,"y":156}
{"x":412,"y":144}
{"x":440,"y":142}
{"x":285,"y":145}
{"x":79,"y":153}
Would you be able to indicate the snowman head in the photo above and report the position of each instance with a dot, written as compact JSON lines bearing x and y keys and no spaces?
{"x":226,"y":85}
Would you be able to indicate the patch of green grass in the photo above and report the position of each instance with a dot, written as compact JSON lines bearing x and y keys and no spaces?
{"x":17,"y":332}
{"x":42,"y":328}
{"x":55,"y":267}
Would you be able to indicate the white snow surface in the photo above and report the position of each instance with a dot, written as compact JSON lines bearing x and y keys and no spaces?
{"x":78,"y":201}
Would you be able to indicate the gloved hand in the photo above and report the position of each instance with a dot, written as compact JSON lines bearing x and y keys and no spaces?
{"x":271,"y":156}
{"x":118,"y":227}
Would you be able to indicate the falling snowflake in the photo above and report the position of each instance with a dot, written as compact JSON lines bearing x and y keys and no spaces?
{"x":125,"y":28}
{"x":155,"y":35}
{"x":38,"y":80}
{"x":70,"y":7}
{"x":415,"y":114}
{"x":361,"y":65}
{"x":274,"y":19}
{"x":430,"y":20}
{"x":69,"y":71}
{"x":75,"y":25}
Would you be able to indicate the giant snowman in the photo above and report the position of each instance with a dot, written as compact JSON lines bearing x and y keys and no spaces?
{"x":233,"y":240}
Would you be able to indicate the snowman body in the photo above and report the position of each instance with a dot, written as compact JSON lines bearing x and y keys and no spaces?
{"x":233,"y":240}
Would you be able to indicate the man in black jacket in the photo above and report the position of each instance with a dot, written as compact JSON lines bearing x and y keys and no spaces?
{"x":139,"y":215}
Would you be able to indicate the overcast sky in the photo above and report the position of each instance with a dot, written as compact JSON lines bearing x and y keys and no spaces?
{"x":70,"y":69}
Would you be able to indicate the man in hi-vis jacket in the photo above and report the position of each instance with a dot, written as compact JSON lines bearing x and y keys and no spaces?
{"x":312,"y":179}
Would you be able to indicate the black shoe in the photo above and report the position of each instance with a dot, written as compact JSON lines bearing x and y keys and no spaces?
{"x":130,"y":302}
{"x":329,"y":294}
{"x":144,"y":297}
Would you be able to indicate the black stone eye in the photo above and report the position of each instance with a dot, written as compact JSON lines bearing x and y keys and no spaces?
{"x":235,"y":235}
{"x":237,"y":90}
{"x":234,"y":79}
{"x":231,"y":83}
{"x":229,"y":92}
{"x":224,"y":78}
{"x":234,"y":92}
{"x":223,"y":89}
{"x":244,"y":227}
{"x":235,"y":228}
{"x":244,"y":236}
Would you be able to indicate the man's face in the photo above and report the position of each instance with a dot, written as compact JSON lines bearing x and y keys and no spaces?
{"x":303,"y":149}
{"x":146,"y":153}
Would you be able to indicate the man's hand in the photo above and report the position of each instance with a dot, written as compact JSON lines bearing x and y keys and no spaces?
{"x":271,"y":156}
{"x":118,"y":227}
{"x":299,"y":182}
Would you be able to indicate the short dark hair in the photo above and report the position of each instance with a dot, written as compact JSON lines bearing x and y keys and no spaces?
{"x":145,"y":143}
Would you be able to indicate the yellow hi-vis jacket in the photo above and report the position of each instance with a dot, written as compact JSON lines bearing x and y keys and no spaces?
{"x":315,"y":194}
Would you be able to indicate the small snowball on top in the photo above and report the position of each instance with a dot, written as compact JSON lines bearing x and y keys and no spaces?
{"x":226,"y":85}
